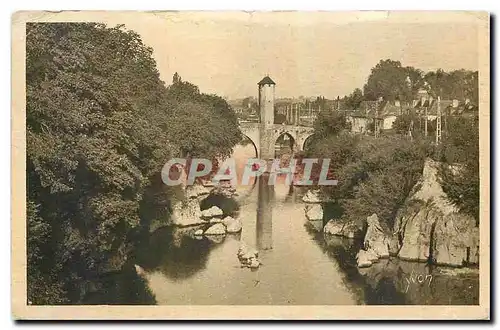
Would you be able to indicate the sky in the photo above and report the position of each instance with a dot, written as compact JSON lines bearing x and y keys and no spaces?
{"x":309,"y":54}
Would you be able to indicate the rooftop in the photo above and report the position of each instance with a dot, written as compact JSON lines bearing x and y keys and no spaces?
{"x":266,"y":81}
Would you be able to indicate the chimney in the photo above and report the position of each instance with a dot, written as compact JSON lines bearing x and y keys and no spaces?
{"x":455,"y":103}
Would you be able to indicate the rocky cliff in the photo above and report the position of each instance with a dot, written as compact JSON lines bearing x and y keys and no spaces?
{"x":429,"y":228}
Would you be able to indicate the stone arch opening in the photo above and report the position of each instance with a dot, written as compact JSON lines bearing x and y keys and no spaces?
{"x":307,"y":142}
{"x":246,"y":140}
{"x":242,"y":152}
{"x":284,"y":144}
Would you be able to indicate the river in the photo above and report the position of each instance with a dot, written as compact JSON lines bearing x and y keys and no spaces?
{"x":303,"y":267}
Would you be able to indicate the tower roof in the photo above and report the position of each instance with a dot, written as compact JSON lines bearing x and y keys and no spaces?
{"x":266,"y":81}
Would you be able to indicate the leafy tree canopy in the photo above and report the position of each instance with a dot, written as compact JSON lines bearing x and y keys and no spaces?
{"x":392,"y":81}
{"x":100,"y":125}
{"x":353,"y":101}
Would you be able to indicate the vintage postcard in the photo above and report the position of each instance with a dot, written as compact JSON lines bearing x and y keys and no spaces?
{"x":250,"y":165}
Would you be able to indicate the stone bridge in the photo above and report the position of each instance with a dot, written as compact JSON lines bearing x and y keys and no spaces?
{"x":255,"y":132}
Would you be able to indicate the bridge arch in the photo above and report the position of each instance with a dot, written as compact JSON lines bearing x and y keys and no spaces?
{"x":285,"y":139}
{"x":253,"y":132}
{"x":307,"y":141}
{"x":246,"y":140}
{"x":246,"y":149}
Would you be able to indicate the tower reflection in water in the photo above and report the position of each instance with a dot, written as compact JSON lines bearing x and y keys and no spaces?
{"x":264,"y":226}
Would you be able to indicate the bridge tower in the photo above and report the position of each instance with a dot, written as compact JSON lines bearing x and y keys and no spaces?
{"x":266,"y":107}
{"x":264,"y":229}
{"x":266,"y":101}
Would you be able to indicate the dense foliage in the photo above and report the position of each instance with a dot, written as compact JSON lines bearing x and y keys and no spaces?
{"x":100,"y":126}
{"x":353,"y":100}
{"x":375,"y":175}
{"x":329,"y":123}
{"x":391,"y":81}
{"x":403,"y":123}
{"x":460,"y":171}
{"x":380,"y":176}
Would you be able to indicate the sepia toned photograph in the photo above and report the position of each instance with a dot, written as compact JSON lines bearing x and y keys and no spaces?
{"x":250,"y":165}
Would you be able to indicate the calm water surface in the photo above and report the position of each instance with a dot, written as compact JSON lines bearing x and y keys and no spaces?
{"x":302,"y":268}
{"x":295,"y":271}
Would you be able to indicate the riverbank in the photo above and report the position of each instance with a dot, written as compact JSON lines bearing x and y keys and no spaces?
{"x":303,"y":267}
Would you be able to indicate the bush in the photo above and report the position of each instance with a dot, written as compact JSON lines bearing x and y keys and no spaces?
{"x":459,"y":174}
{"x":375,"y":175}
{"x":380,"y":177}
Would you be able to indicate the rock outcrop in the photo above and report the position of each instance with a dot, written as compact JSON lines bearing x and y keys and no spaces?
{"x":232,"y":225}
{"x":311,"y":197}
{"x":314,"y":212}
{"x":214,"y":211}
{"x":196,"y":190}
{"x":365,"y":258}
{"x":225,"y":190}
{"x":429,"y":227}
{"x":456,"y":241}
{"x":375,"y":238}
{"x":248,"y":257}
{"x":217,"y":229}
{"x":187,"y":213}
{"x":140,"y":271}
{"x":375,"y":245}
{"x":341,"y":228}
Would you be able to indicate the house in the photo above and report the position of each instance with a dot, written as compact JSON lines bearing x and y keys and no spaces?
{"x":428,"y":104}
{"x":384,"y":113}
{"x":358,"y":120}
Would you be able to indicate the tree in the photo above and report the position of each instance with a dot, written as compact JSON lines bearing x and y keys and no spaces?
{"x":319,"y":103}
{"x":100,"y":126}
{"x":338,"y":148}
{"x":94,"y":102}
{"x":353,"y":101}
{"x":329,"y":123}
{"x":403,"y":123}
{"x":379,"y":177}
{"x":279,"y":118}
{"x":176,"y":79}
{"x":413,"y":83}
{"x":458,"y":84}
{"x":249,"y":103}
{"x":203,"y":133}
{"x":391,"y":81}
{"x":459,"y":174}
{"x":180,"y":90}
{"x":205,"y":125}
{"x":330,"y":141}
{"x":43,"y":286}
